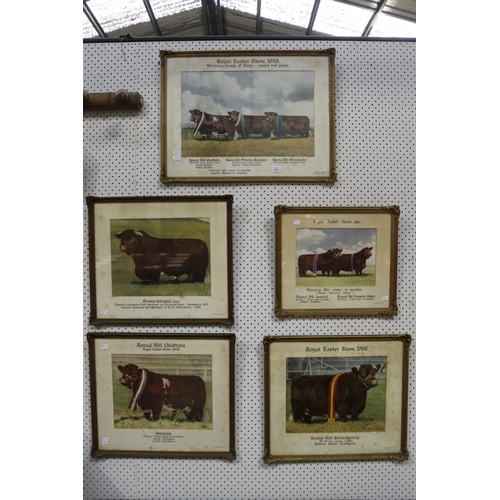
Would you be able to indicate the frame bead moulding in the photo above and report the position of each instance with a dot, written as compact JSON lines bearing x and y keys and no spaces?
{"x":375,"y":166}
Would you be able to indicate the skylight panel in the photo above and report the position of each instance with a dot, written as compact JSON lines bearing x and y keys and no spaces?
{"x":389,"y":26}
{"x":339,"y":19}
{"x":117,"y":14}
{"x":162,"y":8}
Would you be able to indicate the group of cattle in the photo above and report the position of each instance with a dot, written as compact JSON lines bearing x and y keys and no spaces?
{"x":171,"y":256}
{"x":282,"y":126}
{"x":333,"y":261}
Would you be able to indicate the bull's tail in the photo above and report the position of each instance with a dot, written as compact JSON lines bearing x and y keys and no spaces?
{"x":207,"y":277}
{"x":206,"y":417}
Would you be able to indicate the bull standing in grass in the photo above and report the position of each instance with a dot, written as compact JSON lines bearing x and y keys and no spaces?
{"x":325,"y":395}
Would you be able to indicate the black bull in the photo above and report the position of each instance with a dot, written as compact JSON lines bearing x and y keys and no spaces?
{"x":309,"y":394}
{"x":173,"y":257}
{"x":325,"y":262}
{"x":152,"y":392}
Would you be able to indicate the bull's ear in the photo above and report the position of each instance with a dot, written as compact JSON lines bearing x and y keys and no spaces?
{"x":120,"y":367}
{"x":354,"y":369}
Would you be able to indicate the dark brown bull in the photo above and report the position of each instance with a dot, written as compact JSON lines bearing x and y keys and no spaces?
{"x":325,"y":262}
{"x":151,"y":392}
{"x":285,"y":125}
{"x":207,"y":124}
{"x":173,"y":257}
{"x":249,"y":124}
{"x":310,"y":393}
{"x":355,"y":262}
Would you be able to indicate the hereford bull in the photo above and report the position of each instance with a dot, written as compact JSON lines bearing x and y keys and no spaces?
{"x":152,"y":392}
{"x":354,"y":262}
{"x":324,"y":262}
{"x":285,"y":125}
{"x":310,"y":394}
{"x":207,"y":124}
{"x":249,"y":124}
{"x":173,"y":257}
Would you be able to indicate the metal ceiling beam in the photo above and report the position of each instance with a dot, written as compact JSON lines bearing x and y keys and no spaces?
{"x":220,"y":18}
{"x":313,"y":17}
{"x":93,"y":21}
{"x":373,"y":19}
{"x":258,"y":25}
{"x":210,"y":17}
{"x":152,"y":17}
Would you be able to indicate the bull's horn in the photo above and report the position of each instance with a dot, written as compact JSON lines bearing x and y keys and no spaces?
{"x":118,"y":235}
{"x":139,"y":233}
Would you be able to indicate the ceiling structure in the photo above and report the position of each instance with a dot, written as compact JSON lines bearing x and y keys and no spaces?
{"x":191,"y":18}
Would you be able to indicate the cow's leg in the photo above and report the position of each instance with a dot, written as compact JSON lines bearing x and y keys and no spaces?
{"x":147,"y":415}
{"x":342,"y":411}
{"x":156,"y":409}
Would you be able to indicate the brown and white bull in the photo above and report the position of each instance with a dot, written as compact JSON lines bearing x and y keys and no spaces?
{"x":207,"y":124}
{"x":152,"y":392}
{"x":173,"y":257}
{"x":311,"y":395}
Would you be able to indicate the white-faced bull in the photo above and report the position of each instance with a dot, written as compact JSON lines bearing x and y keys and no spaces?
{"x":207,"y":124}
{"x":152,"y":392}
{"x":324,"y":395}
{"x":173,"y":257}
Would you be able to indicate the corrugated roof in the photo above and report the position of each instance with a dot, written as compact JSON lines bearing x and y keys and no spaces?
{"x":145,"y":18}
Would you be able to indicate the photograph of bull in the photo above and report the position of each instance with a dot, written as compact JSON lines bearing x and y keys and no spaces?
{"x":284,"y":125}
{"x":171,"y":256}
{"x":152,"y":392}
{"x":206,"y":124}
{"x":324,"y":262}
{"x":250,"y":124}
{"x":352,"y":263}
{"x":312,"y":395}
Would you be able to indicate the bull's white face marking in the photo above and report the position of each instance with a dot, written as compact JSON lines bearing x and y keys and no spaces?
{"x":166,"y":383}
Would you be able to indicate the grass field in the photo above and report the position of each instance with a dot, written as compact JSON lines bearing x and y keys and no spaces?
{"x":135,"y":420}
{"x":372,"y":419}
{"x":367,"y":278}
{"x":124,"y":281}
{"x":253,"y":146}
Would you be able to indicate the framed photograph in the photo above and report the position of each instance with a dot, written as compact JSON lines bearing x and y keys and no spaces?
{"x":162,"y":395}
{"x":336,"y":398}
{"x":248,"y":116}
{"x":161,"y":260}
{"x":336,"y":261}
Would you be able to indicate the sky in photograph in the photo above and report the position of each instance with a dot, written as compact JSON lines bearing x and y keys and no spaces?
{"x":349,"y":240}
{"x":249,"y":92}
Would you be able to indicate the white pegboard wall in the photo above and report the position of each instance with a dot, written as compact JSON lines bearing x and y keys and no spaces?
{"x":375,"y":161}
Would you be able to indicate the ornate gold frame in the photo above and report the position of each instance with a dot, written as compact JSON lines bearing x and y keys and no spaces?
{"x":384,"y":304}
{"x":225,"y":166}
{"x":390,"y":444}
